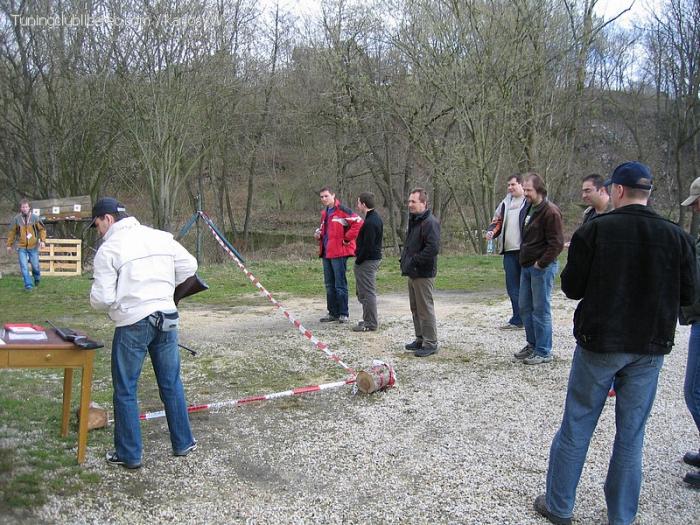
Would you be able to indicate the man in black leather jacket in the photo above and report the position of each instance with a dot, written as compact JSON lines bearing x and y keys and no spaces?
{"x":419,"y":264}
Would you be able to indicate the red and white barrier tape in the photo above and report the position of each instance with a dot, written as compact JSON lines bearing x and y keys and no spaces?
{"x":242,"y":401}
{"x":305,"y":332}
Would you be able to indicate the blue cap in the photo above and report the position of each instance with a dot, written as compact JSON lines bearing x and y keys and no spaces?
{"x":629,"y":174}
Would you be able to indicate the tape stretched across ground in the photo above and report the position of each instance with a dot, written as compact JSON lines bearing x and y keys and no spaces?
{"x":267,"y":397}
{"x":305,"y":332}
{"x":295,"y":322}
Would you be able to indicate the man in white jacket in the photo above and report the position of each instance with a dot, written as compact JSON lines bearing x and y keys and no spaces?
{"x":135,"y":273}
{"x":505,"y":227}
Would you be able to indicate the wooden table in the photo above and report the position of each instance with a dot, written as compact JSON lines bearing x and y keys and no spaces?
{"x":56,"y":353}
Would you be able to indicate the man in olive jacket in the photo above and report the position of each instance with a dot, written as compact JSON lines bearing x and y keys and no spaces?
{"x":631,"y":269}
{"x":419,"y":264}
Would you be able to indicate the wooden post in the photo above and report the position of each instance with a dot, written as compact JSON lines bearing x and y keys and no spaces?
{"x":198,"y":244}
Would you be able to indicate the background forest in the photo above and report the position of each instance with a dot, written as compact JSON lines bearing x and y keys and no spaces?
{"x":254,"y":108}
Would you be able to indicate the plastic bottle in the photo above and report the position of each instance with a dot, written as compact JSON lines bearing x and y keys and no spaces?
{"x":489,"y":246}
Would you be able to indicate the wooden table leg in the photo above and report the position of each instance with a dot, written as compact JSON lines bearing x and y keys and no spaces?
{"x":67,"y":390}
{"x":85,"y":386}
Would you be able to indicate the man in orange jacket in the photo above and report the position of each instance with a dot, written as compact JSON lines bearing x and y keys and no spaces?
{"x":336,"y":239}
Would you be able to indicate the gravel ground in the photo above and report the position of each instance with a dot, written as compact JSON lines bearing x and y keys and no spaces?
{"x":463,"y":438}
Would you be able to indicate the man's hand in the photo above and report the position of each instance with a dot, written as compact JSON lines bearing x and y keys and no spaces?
{"x":537,"y":265}
{"x":9,"y":249}
{"x":489,"y":235}
{"x":42,"y":244}
{"x":317,"y":234}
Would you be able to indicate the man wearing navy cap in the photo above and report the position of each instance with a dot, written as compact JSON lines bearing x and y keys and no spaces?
{"x":631,"y":269}
{"x":136,"y":270}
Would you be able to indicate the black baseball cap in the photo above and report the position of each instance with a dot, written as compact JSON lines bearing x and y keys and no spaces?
{"x":629,"y":174}
{"x":106,"y":205}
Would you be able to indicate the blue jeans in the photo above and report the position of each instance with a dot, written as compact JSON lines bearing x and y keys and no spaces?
{"x":692,"y":375}
{"x":536,"y":306}
{"x":29,"y":256}
{"x":336,"y":285}
{"x":512,"y":268}
{"x":129,"y":347}
{"x":635,"y":378}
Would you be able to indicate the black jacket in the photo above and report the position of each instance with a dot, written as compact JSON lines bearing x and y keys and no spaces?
{"x":420,"y":251}
{"x":632,"y":269}
{"x":370,"y":238}
{"x":691,"y":314}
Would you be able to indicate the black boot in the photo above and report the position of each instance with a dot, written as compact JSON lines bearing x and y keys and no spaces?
{"x":692,"y":458}
{"x":415,"y":345}
{"x":693,"y":479}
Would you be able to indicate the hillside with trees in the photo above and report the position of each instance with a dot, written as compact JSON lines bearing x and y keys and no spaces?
{"x":254,"y":109}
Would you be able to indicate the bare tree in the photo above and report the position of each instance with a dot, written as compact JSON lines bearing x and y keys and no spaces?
{"x":161,"y":104}
{"x":674,"y":51}
{"x":59,"y":127}
{"x":262,"y":124}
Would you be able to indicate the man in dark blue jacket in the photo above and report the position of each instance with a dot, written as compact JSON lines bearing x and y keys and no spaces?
{"x":368,"y":256}
{"x":419,"y":264}
{"x":631,"y":269}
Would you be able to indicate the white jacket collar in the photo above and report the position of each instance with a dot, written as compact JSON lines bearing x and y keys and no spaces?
{"x":124,"y":224}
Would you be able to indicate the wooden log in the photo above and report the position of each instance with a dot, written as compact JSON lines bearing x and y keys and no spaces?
{"x":379,"y":377}
{"x":97,"y":416}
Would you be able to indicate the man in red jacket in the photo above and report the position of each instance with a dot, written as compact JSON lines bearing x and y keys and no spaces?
{"x":336,"y":239}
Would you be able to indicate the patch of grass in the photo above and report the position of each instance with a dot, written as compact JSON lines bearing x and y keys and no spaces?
{"x":24,"y":490}
{"x":49,"y":460}
{"x":42,"y":462}
{"x":89,"y":477}
{"x":474,"y":273}
{"x":67,"y":298}
{"x":56,"y":297}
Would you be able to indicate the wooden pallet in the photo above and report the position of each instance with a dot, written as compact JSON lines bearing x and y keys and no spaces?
{"x":61,"y":257}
